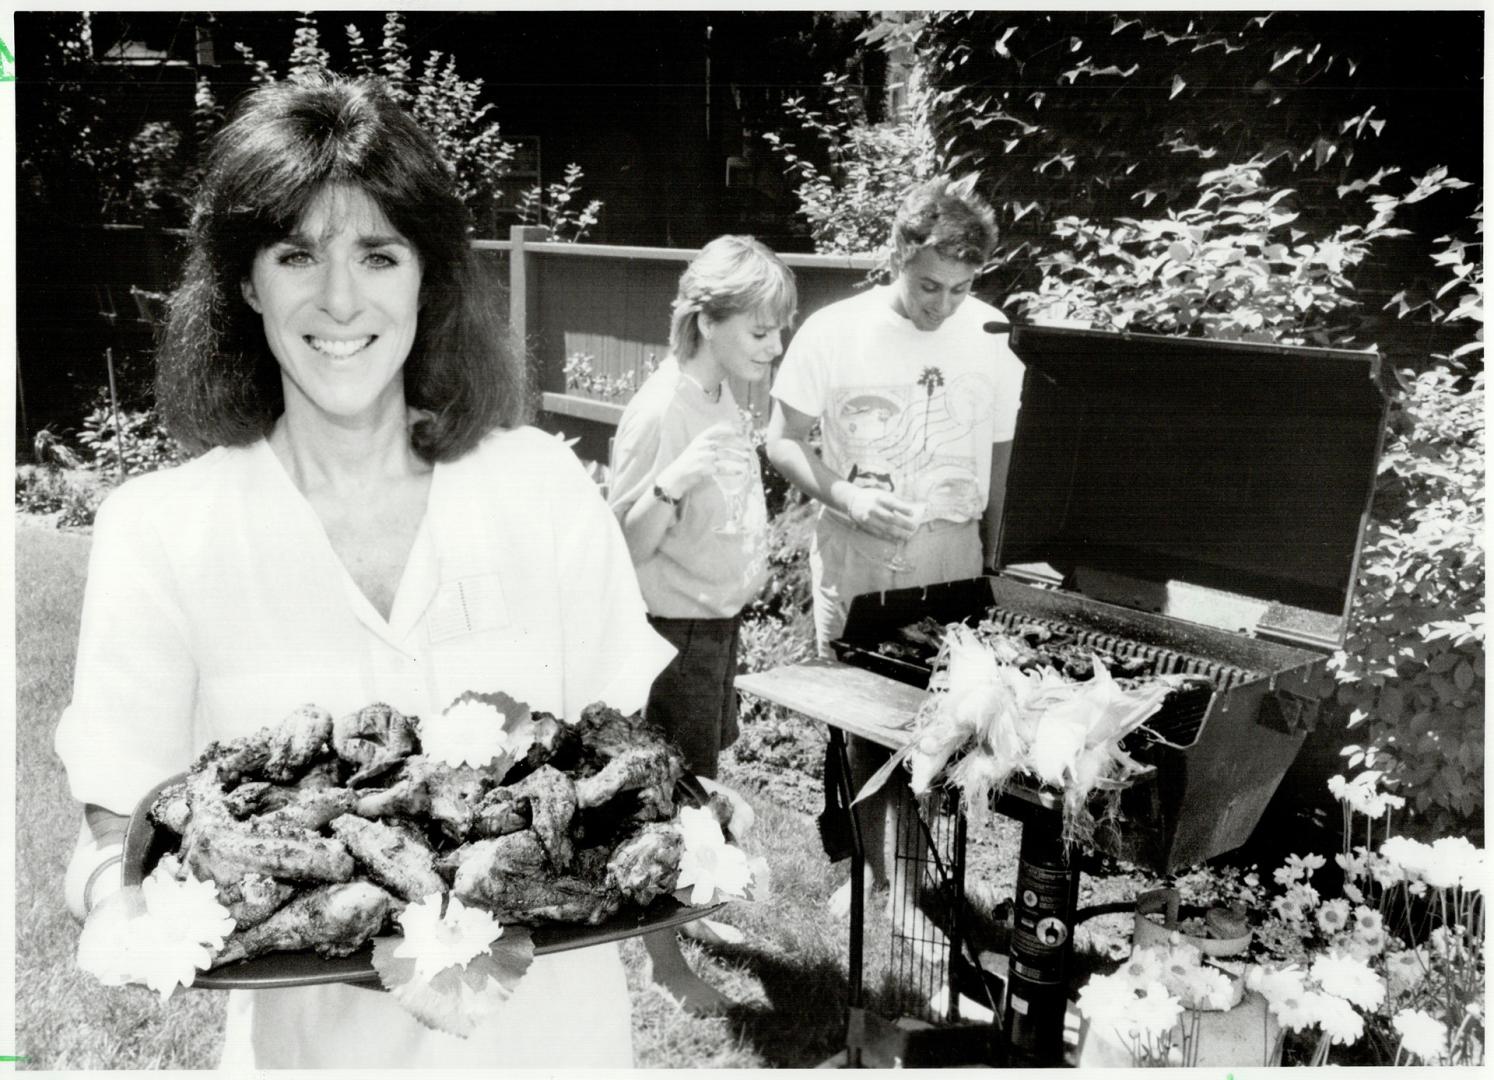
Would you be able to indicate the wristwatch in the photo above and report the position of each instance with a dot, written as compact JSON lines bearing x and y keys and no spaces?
{"x":664,"y":496}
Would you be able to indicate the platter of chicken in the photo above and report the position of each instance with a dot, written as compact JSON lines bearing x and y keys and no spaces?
{"x":319,"y":831}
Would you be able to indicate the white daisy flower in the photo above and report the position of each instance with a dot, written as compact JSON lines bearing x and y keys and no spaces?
{"x":436,"y":941}
{"x":1421,"y":1034}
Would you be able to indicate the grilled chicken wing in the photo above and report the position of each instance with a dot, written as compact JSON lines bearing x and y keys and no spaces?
{"x":551,"y":797}
{"x":648,"y":864}
{"x":254,"y":899}
{"x":335,"y":920}
{"x":376,"y":738}
{"x":299,"y":739}
{"x":312,"y":808}
{"x":500,"y":813}
{"x":219,"y":847}
{"x":510,"y":876}
{"x":650,"y":766}
{"x":392,"y":857}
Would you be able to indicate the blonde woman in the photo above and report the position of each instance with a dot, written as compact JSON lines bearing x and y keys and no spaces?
{"x":688,"y":491}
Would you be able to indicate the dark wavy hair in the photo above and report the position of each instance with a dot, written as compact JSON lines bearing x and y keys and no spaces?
{"x":948,"y":216}
{"x":217,"y":382}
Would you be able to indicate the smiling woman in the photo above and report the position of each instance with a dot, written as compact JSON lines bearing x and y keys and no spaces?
{"x":368,"y":523}
{"x":340,"y":299}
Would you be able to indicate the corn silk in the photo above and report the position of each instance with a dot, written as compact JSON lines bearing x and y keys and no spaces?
{"x":986,"y":721}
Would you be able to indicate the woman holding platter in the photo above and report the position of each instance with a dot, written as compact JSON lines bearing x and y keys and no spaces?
{"x":369,"y":521}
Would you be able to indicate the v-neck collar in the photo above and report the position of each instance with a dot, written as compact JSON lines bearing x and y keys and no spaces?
{"x":418,"y":579}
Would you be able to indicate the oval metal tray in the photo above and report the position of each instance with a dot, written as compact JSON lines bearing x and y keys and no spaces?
{"x":145,"y":842}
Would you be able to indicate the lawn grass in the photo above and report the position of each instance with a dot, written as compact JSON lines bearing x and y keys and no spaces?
{"x":789,"y":975}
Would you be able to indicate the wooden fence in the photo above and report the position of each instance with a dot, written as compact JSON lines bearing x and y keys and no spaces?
{"x":610,"y":305}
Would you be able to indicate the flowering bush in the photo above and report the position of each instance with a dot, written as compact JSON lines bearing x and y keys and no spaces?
{"x":1397,"y":960}
{"x":1154,"y":1002}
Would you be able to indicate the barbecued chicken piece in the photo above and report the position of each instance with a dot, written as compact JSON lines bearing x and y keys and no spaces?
{"x":254,"y":899}
{"x":227,"y":852}
{"x":606,"y":733}
{"x":218,"y":846}
{"x":297,"y":742}
{"x":647,"y":765}
{"x":551,"y":797}
{"x":555,"y":743}
{"x":510,"y":876}
{"x":172,"y":808}
{"x":407,"y":796}
{"x":236,"y":760}
{"x":376,"y":738}
{"x":449,"y":795}
{"x":256,"y":797}
{"x":500,"y":813}
{"x":647,"y":865}
{"x":335,"y":920}
{"x":312,"y":808}
{"x":393,"y":859}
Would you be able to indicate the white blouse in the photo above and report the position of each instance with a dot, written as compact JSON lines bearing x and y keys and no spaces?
{"x":215,"y":605}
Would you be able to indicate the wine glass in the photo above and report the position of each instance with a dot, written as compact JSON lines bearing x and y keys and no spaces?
{"x":733,"y":476}
{"x":897,"y":561}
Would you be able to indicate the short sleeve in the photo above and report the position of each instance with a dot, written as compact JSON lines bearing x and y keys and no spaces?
{"x":637,"y":455}
{"x":800,"y":382}
{"x":612,"y":655}
{"x":128,"y":726}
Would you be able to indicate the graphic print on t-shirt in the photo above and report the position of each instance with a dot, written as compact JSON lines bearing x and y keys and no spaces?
{"x":913,"y":440}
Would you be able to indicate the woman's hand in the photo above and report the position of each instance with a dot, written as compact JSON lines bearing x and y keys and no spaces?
{"x":881,"y":513}
{"x":700,"y":460}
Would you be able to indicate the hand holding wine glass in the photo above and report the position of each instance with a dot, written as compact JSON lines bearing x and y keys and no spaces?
{"x":733,"y":476}
{"x":897,"y":561}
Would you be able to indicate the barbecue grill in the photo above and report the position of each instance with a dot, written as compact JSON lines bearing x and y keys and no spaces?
{"x":1191,"y":508}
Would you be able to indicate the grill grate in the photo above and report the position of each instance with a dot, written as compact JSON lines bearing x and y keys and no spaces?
{"x":1163,"y":661}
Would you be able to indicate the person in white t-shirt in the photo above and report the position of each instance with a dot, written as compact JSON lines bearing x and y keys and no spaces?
{"x":916,"y":401}
{"x":687,"y":489}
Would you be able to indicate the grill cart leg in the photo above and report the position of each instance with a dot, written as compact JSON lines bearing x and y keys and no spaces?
{"x":1042,"y":945}
{"x":841,"y":761}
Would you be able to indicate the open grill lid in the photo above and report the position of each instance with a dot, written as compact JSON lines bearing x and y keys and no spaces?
{"x":1223,"y":483}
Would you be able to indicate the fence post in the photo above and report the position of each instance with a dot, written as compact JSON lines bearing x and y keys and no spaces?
{"x":523,"y":295}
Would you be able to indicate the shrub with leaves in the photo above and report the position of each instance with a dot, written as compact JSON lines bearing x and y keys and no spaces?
{"x":446,"y":105}
{"x":850,"y":182}
{"x":1237,"y":265}
{"x":139,"y":441}
{"x":1412,"y":670}
{"x":558,"y":207}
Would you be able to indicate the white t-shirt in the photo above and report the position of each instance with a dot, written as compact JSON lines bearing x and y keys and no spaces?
{"x":215,"y":604}
{"x":696,"y":573}
{"x":909,"y":411}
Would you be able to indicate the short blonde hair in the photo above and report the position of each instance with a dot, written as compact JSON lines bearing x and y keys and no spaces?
{"x":730,"y":275}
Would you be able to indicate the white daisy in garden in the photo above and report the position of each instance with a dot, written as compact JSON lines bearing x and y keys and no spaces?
{"x":1406,"y":969}
{"x":1338,"y":1019}
{"x":1333,"y":917}
{"x":1349,"y":978}
{"x":1144,"y":966}
{"x":1106,"y":1000}
{"x":1386,"y":873}
{"x":1421,"y":1034}
{"x":1410,"y":857}
{"x":1454,"y":861}
{"x":1155,"y":1010}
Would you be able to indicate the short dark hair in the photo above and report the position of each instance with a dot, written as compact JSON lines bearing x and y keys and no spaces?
{"x":217,"y":382}
{"x":948,"y":216}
